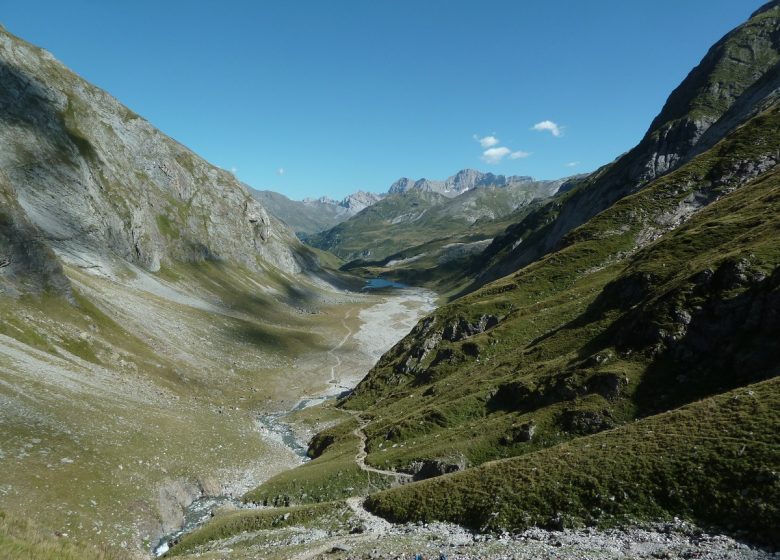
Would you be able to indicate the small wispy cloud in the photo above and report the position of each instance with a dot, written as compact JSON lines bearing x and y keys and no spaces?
{"x":519,"y":154}
{"x":573,"y":164}
{"x":280,"y":171}
{"x":494,"y":155}
{"x":486,"y":141}
{"x":550,"y":126}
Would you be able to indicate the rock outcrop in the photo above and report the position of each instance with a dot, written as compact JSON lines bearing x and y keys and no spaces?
{"x":27,"y":263}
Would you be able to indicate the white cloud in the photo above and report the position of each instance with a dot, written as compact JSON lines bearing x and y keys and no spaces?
{"x":486,"y":141}
{"x":280,"y":171}
{"x":234,"y":170}
{"x":495,"y":155}
{"x":554,"y":129}
{"x":573,"y":164}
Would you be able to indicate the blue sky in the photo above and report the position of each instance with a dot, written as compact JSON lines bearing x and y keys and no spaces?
{"x":347,"y":95}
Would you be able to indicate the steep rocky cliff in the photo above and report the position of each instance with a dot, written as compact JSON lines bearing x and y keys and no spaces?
{"x":96,"y":182}
{"x":27,"y":264}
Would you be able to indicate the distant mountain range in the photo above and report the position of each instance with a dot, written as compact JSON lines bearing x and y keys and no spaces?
{"x":462,"y":181}
{"x":416,"y":220}
{"x":313,"y":215}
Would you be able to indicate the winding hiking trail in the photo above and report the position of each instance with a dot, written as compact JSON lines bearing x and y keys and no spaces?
{"x":362,"y":453}
{"x":373,"y":525}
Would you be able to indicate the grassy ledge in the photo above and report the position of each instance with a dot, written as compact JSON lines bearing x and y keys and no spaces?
{"x":714,"y":461}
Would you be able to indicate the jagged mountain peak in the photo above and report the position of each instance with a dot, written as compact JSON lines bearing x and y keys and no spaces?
{"x":359,"y":200}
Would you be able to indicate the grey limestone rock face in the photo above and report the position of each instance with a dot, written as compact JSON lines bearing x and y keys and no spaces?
{"x":27,"y":264}
{"x":98,"y":182}
{"x":359,"y":200}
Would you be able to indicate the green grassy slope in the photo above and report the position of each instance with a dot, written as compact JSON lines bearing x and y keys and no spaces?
{"x":330,"y":476}
{"x":714,"y":461}
{"x":142,"y":390}
{"x":556,"y":305}
{"x":366,"y":234}
{"x":21,"y":540}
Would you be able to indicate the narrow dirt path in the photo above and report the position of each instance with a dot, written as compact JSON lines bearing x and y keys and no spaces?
{"x":332,"y":351}
{"x":373,"y":525}
{"x":360,"y":457}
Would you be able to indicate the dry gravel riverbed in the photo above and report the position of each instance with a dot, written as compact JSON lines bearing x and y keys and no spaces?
{"x":379,"y":327}
{"x":382,"y":540}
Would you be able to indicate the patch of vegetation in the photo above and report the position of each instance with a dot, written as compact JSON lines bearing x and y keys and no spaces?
{"x":17,"y":329}
{"x":80,"y":347}
{"x":333,"y":475}
{"x":167,"y":228}
{"x":232,"y":523}
{"x":20,"y":539}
